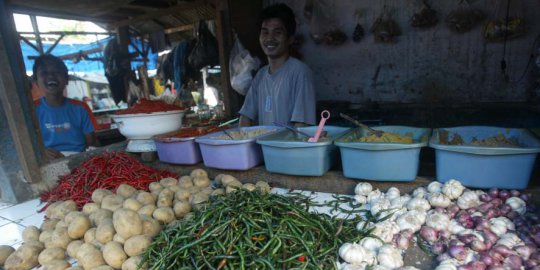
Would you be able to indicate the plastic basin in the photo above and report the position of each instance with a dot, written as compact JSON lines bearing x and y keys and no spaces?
{"x":145,"y":125}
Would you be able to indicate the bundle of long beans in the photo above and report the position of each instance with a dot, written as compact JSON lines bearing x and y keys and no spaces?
{"x":251,"y":230}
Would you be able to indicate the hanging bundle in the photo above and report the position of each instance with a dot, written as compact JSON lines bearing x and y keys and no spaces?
{"x":359,"y":32}
{"x":507,"y":23}
{"x":323,"y":24}
{"x":425,"y":18}
{"x":385,"y":28}
{"x":464,"y":18}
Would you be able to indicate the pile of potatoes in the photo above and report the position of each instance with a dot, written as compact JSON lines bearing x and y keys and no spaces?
{"x":113,"y":230}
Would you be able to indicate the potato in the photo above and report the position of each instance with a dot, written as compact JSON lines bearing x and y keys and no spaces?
{"x":182,"y":195}
{"x":133,"y":264}
{"x":127,"y":223}
{"x":5,"y":251}
{"x":147,"y":210}
{"x":201,"y":181}
{"x":165,"y":198}
{"x":71,"y":216}
{"x":132,"y":204}
{"x":50,"y":254}
{"x":249,"y":187}
{"x":185,"y":182}
{"x":45,"y":236}
{"x":112,"y":202}
{"x":217,"y":179}
{"x":192,"y":190}
{"x":263,"y":187}
{"x":90,"y":235}
{"x":218,"y":191}
{"x":49,"y":225}
{"x":105,"y":231}
{"x":164,"y":215}
{"x":146,"y":198}
{"x":236,"y":184}
{"x":198,"y":173}
{"x":230,"y":189}
{"x":114,"y":255}
{"x":174,"y":188}
{"x":99,"y":194}
{"x":207,"y":190}
{"x":75,"y":268}
{"x":25,"y":257}
{"x":51,"y":209}
{"x":73,"y":248}
{"x":99,"y":215}
{"x":59,"y":238}
{"x":137,"y":244}
{"x":61,"y":224}
{"x":119,"y":239}
{"x":90,"y":208}
{"x":63,"y":209}
{"x":89,"y":256}
{"x":78,"y":227}
{"x":168,"y":182}
{"x":227,"y":179}
{"x":125,"y":190}
{"x":181,"y":209}
{"x":30,"y":233}
{"x":151,"y":227}
{"x":103,"y":267}
{"x":155,"y":187}
{"x":57,"y":265}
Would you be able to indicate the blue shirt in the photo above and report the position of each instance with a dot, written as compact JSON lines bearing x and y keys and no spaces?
{"x":63,"y":128}
{"x":285,"y":96}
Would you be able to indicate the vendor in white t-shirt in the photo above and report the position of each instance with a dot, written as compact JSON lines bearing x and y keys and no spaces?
{"x":282,"y":91}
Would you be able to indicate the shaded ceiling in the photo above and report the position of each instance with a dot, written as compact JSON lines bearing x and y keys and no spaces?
{"x":142,"y":16}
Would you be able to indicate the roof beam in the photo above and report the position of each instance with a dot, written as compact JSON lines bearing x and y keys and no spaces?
{"x":66,"y":33}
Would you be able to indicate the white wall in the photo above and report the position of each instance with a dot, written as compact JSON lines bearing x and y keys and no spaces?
{"x":424,"y":66}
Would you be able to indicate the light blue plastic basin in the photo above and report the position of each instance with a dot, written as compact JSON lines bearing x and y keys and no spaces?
{"x":486,"y":167}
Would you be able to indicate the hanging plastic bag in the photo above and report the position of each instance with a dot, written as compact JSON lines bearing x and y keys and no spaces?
{"x":358,"y":32}
{"x":498,"y":29}
{"x":464,"y":18}
{"x":323,"y":27}
{"x":425,"y":18}
{"x":385,"y":28}
{"x":205,"y":52}
{"x":241,"y":66}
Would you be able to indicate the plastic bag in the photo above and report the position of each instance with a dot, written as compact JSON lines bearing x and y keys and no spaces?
{"x":359,"y":31}
{"x":464,"y":18}
{"x":205,"y":52}
{"x":323,"y":28}
{"x":425,"y":18}
{"x":385,"y":28}
{"x":241,"y":67}
{"x":498,"y":29}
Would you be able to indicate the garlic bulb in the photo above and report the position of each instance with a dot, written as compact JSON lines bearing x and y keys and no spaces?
{"x":454,"y":227}
{"x":419,"y":192}
{"x":453,"y":189}
{"x":397,"y":212}
{"x":352,"y":253}
{"x":468,"y":200}
{"x":379,"y":267}
{"x":392,"y":193}
{"x":390,"y":257}
{"x":374,"y":195}
{"x":385,"y":230}
{"x":364,"y":225}
{"x":476,"y":233}
{"x":408,"y":268}
{"x":400,"y":201}
{"x":412,"y":220}
{"x":418,"y":203}
{"x":434,"y":187}
{"x":346,"y":266}
{"x":361,"y":199}
{"x":380,"y":205}
{"x":438,"y":221}
{"x":517,"y":205}
{"x":510,"y":240}
{"x":363,"y":188}
{"x":500,"y":225}
{"x":371,"y":243}
{"x":439,"y":200}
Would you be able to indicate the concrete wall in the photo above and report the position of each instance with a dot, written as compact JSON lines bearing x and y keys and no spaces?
{"x":424,"y":66}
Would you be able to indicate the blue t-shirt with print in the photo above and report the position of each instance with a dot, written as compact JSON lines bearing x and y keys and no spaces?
{"x":63,"y":128}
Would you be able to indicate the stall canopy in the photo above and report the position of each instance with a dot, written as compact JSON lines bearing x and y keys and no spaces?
{"x":80,"y":62}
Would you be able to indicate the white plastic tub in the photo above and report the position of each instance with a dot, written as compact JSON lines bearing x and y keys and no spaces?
{"x":143,"y":126}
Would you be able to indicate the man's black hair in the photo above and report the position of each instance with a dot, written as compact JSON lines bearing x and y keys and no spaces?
{"x":282,"y":12}
{"x":48,"y":58}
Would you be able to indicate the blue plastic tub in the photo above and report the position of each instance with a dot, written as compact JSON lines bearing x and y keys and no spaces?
{"x":382,"y":161}
{"x":238,"y":154}
{"x":284,"y":153}
{"x":483,"y":166}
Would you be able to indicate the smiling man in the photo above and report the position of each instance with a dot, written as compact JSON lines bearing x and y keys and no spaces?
{"x":67,"y":125}
{"x":282,"y":91}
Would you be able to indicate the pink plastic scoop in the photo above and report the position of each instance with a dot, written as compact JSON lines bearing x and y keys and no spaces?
{"x":324,"y":116}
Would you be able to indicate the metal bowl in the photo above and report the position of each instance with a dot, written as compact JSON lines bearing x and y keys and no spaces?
{"x":143,"y":126}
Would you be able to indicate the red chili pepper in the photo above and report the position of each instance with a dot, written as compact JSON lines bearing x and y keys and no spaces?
{"x":150,"y":106}
{"x":201,"y":231}
{"x":302,"y":258}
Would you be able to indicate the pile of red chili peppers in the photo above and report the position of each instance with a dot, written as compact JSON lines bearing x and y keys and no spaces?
{"x":107,"y":170}
{"x":150,"y":106}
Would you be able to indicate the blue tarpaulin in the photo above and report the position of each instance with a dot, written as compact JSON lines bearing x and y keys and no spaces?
{"x":84,"y":65}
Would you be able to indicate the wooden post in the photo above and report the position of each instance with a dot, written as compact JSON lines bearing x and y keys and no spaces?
{"x":16,"y":100}
{"x":143,"y":75}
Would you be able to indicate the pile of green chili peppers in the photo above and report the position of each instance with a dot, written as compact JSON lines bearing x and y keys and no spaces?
{"x":252,"y":230}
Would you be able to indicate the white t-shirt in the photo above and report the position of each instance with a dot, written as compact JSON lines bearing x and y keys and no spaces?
{"x":286,"y":96}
